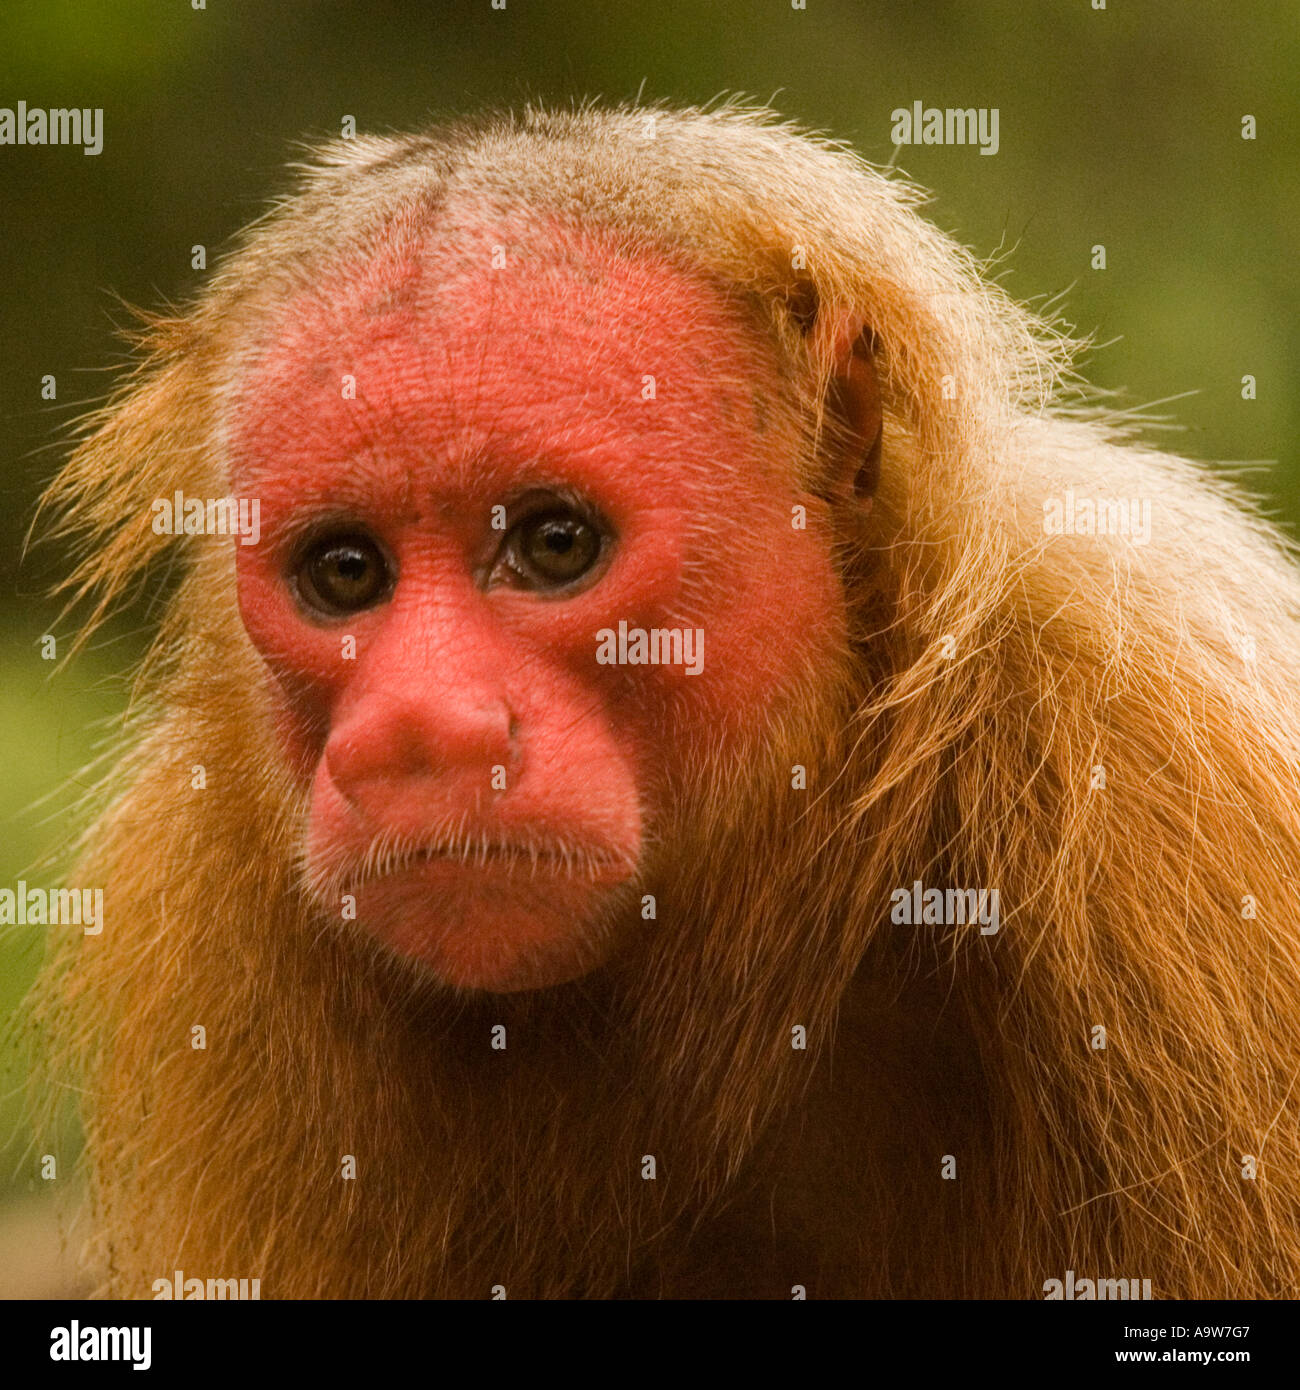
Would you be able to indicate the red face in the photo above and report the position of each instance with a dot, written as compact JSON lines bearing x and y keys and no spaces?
{"x":448,"y":551}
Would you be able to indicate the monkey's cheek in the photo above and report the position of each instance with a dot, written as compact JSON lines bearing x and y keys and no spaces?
{"x":499,"y":933}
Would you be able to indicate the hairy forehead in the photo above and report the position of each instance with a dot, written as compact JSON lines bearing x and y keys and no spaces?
{"x":510,"y":335}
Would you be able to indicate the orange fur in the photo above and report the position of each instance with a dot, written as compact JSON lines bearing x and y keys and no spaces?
{"x":990,"y":668}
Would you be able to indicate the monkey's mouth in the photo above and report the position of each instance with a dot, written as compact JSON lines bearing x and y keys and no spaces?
{"x":492,"y":859}
{"x":517,"y":858}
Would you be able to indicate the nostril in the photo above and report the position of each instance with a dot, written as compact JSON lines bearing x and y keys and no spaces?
{"x":376,"y":748}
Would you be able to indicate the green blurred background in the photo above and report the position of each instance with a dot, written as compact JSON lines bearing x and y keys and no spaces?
{"x":1120,"y":126}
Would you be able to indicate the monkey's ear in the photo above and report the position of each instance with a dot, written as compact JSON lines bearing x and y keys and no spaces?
{"x":852,"y":405}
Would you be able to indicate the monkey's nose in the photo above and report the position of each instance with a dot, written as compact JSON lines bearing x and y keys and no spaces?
{"x":444,"y":754}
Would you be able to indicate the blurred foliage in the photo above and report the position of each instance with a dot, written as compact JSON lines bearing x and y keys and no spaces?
{"x":1119,"y":126}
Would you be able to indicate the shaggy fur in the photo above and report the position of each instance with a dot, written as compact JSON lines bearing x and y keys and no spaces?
{"x":990,"y":670}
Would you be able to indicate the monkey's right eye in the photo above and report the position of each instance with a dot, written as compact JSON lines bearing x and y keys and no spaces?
{"x":341,"y":574}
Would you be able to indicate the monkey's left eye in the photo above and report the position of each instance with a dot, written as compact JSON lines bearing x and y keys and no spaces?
{"x":551,"y":548}
{"x":342,"y":574}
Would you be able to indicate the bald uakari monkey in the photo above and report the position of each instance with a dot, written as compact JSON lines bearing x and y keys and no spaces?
{"x":713,"y":774}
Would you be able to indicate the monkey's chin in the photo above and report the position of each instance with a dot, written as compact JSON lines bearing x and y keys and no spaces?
{"x":498,"y":933}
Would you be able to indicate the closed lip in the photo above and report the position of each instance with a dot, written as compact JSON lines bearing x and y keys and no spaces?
{"x":548,"y":861}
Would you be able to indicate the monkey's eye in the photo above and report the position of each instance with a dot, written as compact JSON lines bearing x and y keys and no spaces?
{"x":552,"y":548}
{"x":342,"y":574}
